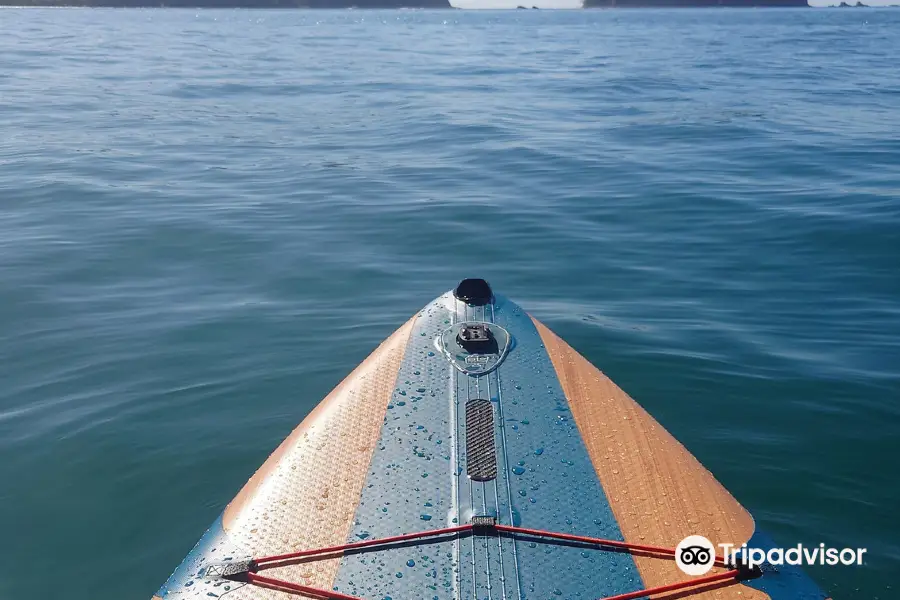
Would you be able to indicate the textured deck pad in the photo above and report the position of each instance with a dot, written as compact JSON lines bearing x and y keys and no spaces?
{"x":657,"y":490}
{"x":545,"y":479}
{"x":305,"y":494}
{"x":414,"y":441}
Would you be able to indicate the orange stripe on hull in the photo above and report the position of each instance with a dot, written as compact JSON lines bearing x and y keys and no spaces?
{"x":658,"y":492}
{"x":314,"y":480}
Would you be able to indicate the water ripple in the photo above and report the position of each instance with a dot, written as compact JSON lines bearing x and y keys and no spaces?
{"x":705,"y":203}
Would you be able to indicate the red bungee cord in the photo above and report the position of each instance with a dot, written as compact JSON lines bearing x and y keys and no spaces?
{"x":249,"y":571}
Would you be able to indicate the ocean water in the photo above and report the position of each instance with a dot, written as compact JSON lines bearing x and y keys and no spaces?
{"x":208,"y":218}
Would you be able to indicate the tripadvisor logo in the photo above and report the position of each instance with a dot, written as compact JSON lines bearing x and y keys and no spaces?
{"x":696,"y":555}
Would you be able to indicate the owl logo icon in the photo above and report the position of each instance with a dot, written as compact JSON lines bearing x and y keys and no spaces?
{"x":695,"y":555}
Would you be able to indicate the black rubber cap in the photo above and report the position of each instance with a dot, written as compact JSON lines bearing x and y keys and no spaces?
{"x":475,"y":292}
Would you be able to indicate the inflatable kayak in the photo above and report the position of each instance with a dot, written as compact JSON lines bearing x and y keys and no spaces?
{"x":475,"y":455}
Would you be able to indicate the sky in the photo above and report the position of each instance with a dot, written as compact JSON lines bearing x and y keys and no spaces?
{"x":577,"y":3}
{"x":515,"y":3}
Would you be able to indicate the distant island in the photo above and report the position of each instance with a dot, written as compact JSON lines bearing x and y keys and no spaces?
{"x":693,"y":3}
{"x":234,"y":3}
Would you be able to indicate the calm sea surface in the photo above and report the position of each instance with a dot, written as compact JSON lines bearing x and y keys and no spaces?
{"x":705,"y":203}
